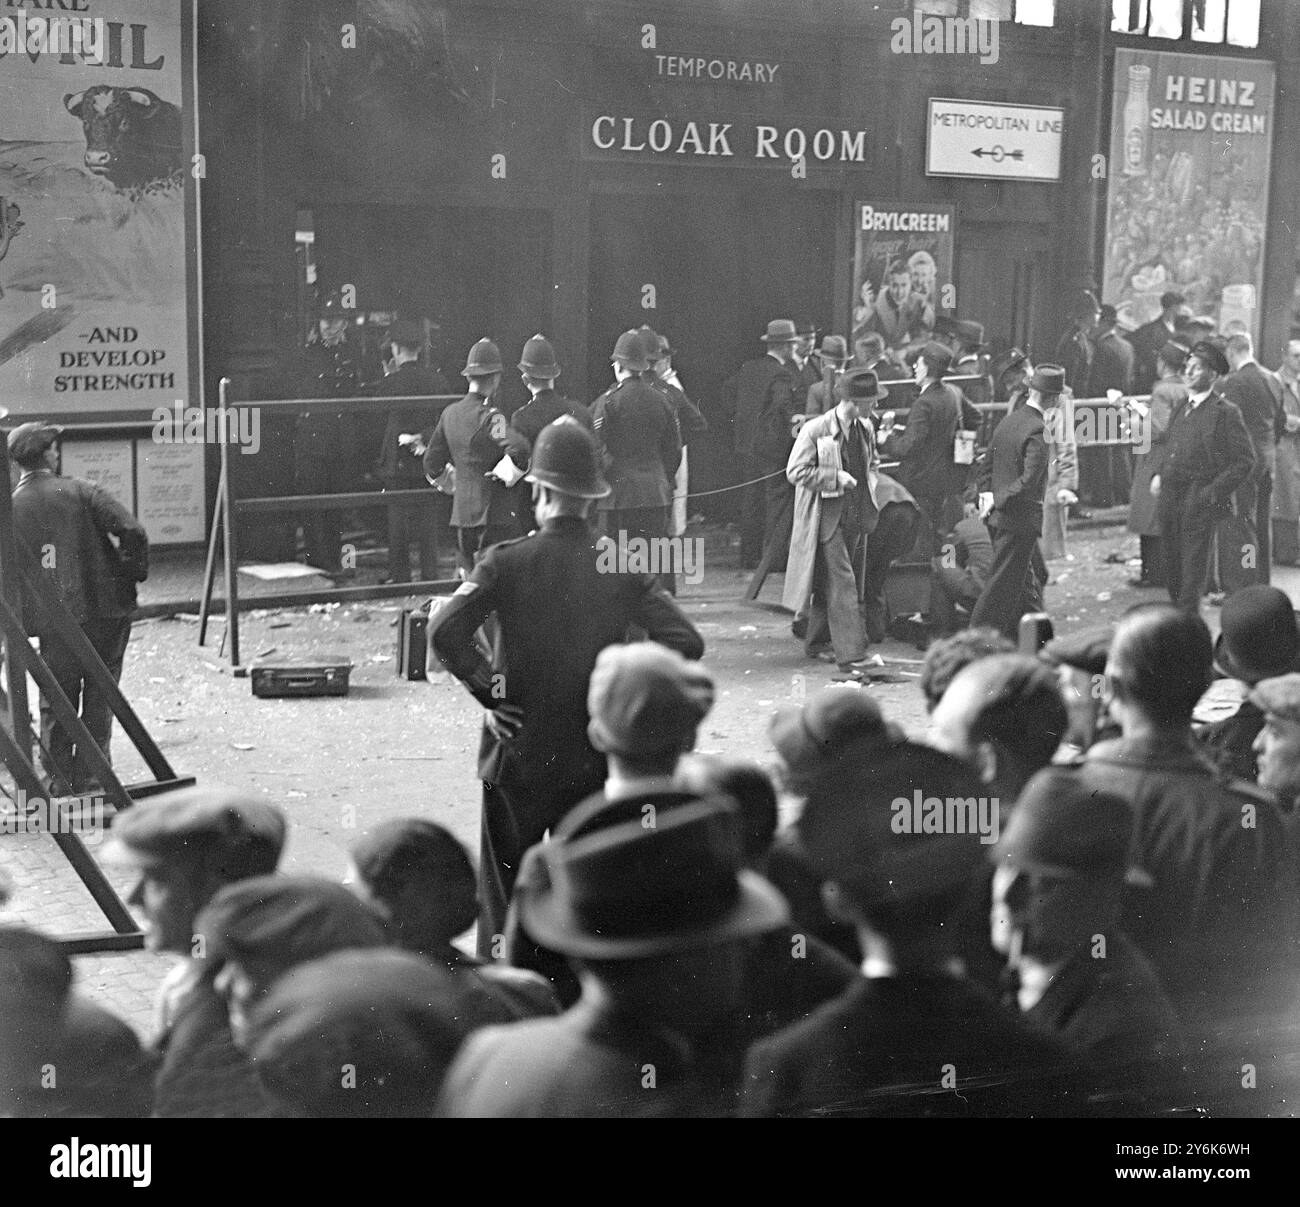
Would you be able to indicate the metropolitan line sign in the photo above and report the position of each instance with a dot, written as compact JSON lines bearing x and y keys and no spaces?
{"x":1005,"y":142}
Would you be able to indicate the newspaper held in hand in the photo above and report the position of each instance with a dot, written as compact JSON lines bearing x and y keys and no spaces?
{"x":506,"y":471}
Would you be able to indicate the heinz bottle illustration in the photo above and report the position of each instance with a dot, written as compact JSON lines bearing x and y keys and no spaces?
{"x":1137,"y":120}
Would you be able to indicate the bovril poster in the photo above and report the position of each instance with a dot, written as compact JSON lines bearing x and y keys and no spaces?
{"x":1187,"y":193}
{"x":95,"y":121}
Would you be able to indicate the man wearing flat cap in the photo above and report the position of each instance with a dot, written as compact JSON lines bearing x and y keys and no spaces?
{"x":1011,"y":486}
{"x":557,"y":607}
{"x":832,"y":468}
{"x":1278,"y":742}
{"x":90,"y":551}
{"x":654,"y":918}
{"x":1207,"y":455}
{"x":186,"y":846}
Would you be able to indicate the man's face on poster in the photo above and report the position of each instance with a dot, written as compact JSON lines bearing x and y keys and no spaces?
{"x":900,"y":285}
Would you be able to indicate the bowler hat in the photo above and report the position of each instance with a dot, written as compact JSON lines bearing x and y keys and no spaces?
{"x":1258,"y":637}
{"x":406,"y":333}
{"x":538,"y":358}
{"x":862,"y":385}
{"x":484,"y":359}
{"x":781,"y":331}
{"x":1174,"y":354}
{"x":1048,"y":380}
{"x":645,"y":700}
{"x":1211,"y":356}
{"x":937,"y":357}
{"x":633,"y":891}
{"x":1171,"y":299}
{"x":630,"y":351}
{"x":1063,"y":827}
{"x":835,"y":348}
{"x":809,"y":736}
{"x":566,"y":459}
{"x":236,"y":833}
{"x":29,"y":440}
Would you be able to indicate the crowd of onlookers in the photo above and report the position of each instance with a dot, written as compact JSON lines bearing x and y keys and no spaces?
{"x":1066,"y":898}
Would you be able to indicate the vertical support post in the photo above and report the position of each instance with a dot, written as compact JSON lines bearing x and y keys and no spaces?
{"x":210,"y":566}
{"x":231,"y":526}
{"x":11,"y":588}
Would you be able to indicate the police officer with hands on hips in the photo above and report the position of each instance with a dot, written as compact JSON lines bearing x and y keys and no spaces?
{"x":555,"y":610}
{"x":486,"y":454}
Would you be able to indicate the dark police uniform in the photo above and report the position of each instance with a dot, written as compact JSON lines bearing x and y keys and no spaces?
{"x":1016,"y":471}
{"x":1207,"y":455}
{"x":400,"y":469}
{"x":555,"y":610}
{"x":322,"y":462}
{"x":473,"y":435}
{"x":543,"y":408}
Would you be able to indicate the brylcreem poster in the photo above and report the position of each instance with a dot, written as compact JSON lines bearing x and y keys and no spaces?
{"x":1188,"y":185}
{"x":96,"y":123}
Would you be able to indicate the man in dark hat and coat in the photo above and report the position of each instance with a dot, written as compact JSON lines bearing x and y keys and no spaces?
{"x":1150,"y":338}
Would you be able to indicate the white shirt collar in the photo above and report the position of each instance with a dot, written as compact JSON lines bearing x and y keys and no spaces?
{"x":648,"y":785}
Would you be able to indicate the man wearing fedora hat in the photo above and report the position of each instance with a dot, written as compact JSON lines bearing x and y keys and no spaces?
{"x":654,"y":918}
{"x":925,"y":447}
{"x":1207,"y":455}
{"x":1258,"y":639}
{"x":832,"y":469}
{"x":555,"y":610}
{"x":834,"y":360}
{"x":1012,"y":483}
{"x":764,"y":386}
{"x":406,"y":435}
{"x":473,"y":436}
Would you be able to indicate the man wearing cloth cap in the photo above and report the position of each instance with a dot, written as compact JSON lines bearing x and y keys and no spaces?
{"x":1080,"y":662}
{"x":556,"y":609}
{"x":406,"y":435}
{"x":1168,"y":394}
{"x":1207,"y":455}
{"x":764,"y":386}
{"x":68,"y":526}
{"x":654,"y":918}
{"x":187,"y":846}
{"x":1012,"y":482}
{"x":832,"y":468}
{"x":912,"y":1036}
{"x":1258,"y":640}
{"x":1150,"y":338}
{"x":637,"y":431}
{"x":1058,"y":890}
{"x":925,"y":447}
{"x":474,"y":437}
{"x":1278,"y":742}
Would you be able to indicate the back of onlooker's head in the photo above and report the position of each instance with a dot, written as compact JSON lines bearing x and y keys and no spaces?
{"x":35,"y":980}
{"x":1160,"y":664}
{"x":390,"y":1016}
{"x":949,"y":655}
{"x":745,"y":783}
{"x":1239,"y":345}
{"x":421,"y":876}
{"x":272,"y":923}
{"x":1005,"y":714}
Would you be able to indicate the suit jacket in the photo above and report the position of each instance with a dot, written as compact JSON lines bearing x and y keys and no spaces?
{"x":1166,"y":397}
{"x":637,"y":431}
{"x":1207,"y":454}
{"x":1147,"y":341}
{"x":690,"y":421}
{"x":884,"y":1046}
{"x":65,"y":524}
{"x":543,"y":409}
{"x":1217,"y":920}
{"x":1112,"y":365}
{"x":1260,"y":404}
{"x":556,"y":609}
{"x":1016,"y":472}
{"x":925,"y":446}
{"x":473,"y":435}
{"x":591,"y":1062}
{"x":759,"y":386}
{"x":398,"y":466}
{"x":1074,"y":353}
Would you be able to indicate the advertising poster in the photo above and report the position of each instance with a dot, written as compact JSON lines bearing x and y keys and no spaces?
{"x":1187,"y":189}
{"x":96,"y":127}
{"x":169,"y":491}
{"x":889,"y":240}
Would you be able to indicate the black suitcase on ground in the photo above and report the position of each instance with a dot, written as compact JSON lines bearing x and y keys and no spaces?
{"x":324,"y":675}
{"x":412,"y":638}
